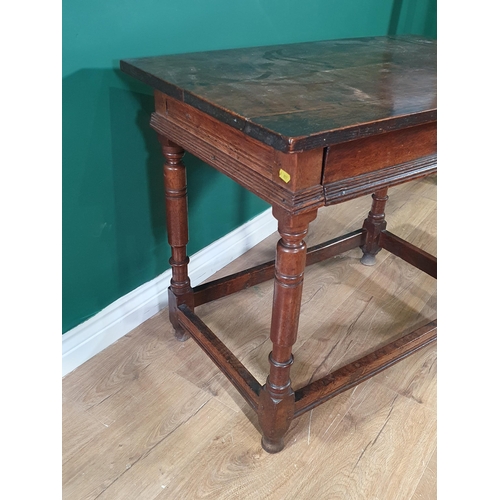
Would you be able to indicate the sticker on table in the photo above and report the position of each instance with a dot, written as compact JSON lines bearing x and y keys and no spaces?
{"x":284,"y":175}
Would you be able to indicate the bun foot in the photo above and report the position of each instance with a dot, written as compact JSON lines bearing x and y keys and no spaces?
{"x":368,"y":259}
{"x":272,"y":446}
{"x":181,"y":335}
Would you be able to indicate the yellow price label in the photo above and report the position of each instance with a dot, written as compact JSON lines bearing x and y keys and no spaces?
{"x":284,"y":175}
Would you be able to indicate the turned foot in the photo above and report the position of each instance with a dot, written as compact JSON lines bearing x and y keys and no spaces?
{"x":368,"y":259}
{"x":181,"y":335}
{"x":272,"y":446}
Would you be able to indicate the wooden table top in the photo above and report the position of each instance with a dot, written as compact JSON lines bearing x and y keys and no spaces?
{"x":304,"y":95}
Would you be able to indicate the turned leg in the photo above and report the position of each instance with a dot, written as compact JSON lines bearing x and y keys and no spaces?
{"x":374,"y":224}
{"x":180,"y":291}
{"x":277,"y":399}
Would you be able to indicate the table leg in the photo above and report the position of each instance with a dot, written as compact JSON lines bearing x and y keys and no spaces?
{"x":277,"y":399}
{"x":374,"y":224}
{"x":180,"y":291}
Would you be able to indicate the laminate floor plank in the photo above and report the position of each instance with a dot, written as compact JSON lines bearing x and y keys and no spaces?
{"x":359,"y":447}
{"x":142,"y":424}
{"x":106,"y":373}
{"x":427,"y":486}
{"x":172,"y":460}
{"x":78,"y":428}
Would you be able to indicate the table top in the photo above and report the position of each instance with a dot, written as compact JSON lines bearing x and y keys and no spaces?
{"x":304,"y":95}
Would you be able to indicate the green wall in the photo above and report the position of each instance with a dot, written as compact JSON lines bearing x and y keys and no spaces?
{"x":113,"y":217}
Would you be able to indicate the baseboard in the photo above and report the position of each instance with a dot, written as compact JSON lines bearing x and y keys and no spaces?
{"x":128,"y":312}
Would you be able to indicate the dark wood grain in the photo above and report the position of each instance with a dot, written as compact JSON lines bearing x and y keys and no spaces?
{"x":252,"y":164}
{"x":368,"y":182}
{"x":374,"y":224}
{"x":306,"y":95}
{"x":174,"y":175}
{"x":349,"y":159}
{"x":409,"y":253}
{"x":276,"y":399}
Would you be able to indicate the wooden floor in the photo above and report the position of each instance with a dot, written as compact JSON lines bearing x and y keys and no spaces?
{"x":152,"y":418}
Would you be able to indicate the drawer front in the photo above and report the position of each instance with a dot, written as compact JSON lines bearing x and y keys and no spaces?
{"x":362,"y":156}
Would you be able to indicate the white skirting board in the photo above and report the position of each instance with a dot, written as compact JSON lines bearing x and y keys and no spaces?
{"x":129,"y":311}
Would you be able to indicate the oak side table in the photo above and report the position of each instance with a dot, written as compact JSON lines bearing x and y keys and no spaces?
{"x":302,"y":126}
